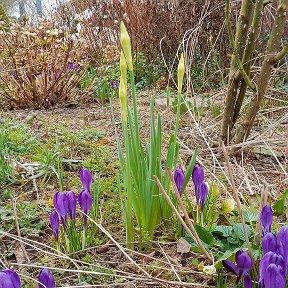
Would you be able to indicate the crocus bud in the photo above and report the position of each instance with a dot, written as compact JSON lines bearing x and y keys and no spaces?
{"x":54,"y":221}
{"x":266,"y":219}
{"x":85,"y":202}
{"x":46,"y":279}
{"x":179,"y":179}
{"x":126,"y":45}
{"x":275,"y":277}
{"x":123,"y":99}
{"x":269,"y":243}
{"x":72,"y":205}
{"x":60,"y":202}
{"x":228,"y":206}
{"x":86,"y":179}
{"x":202,"y":194}
{"x":180,"y":74}
{"x":197,"y":175}
{"x":123,"y":68}
{"x":9,"y":279}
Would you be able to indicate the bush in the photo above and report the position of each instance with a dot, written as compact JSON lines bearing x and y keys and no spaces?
{"x":40,"y":67}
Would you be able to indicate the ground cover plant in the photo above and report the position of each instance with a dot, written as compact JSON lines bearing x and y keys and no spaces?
{"x":134,"y":189}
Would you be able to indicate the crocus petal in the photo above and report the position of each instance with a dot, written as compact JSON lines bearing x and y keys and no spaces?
{"x":86,"y":178}
{"x":9,"y":279}
{"x":203,"y":193}
{"x":197,"y":175}
{"x":85,"y":202}
{"x":54,"y":221}
{"x":247,"y":282}
{"x":244,"y":262}
{"x":266,"y":219}
{"x":232,"y":267}
{"x":269,"y":243}
{"x":72,"y":205}
{"x":46,"y":279}
{"x":179,"y":179}
{"x":274,"y":277}
{"x":282,"y":243}
{"x":60,"y":202}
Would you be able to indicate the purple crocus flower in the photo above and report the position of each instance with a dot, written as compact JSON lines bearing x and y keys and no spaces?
{"x":60,"y":201}
{"x":72,"y":205}
{"x":266,"y":219}
{"x":269,"y":243}
{"x":242,"y":266}
{"x":85,"y":202}
{"x":86,"y":179}
{"x":46,"y":279}
{"x":9,"y":279}
{"x":54,"y":221}
{"x":179,"y":178}
{"x":268,"y":259}
{"x":197,"y":175}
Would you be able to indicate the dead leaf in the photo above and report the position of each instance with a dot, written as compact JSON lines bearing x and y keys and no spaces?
{"x":183,"y":246}
{"x":19,"y":254}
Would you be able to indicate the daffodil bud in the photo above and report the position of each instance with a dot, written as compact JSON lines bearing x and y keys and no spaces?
{"x":123,"y":99}
{"x":228,"y":205}
{"x":123,"y":68}
{"x":126,"y":45}
{"x":181,"y":71}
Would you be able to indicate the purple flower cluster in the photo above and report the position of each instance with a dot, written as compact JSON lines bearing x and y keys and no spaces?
{"x":65,"y":204}
{"x":201,"y":188}
{"x":10,"y":279}
{"x":274,"y":262}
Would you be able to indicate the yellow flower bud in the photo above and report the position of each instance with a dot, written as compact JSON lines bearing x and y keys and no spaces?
{"x":50,"y":203}
{"x":126,"y":45}
{"x":123,"y":99}
{"x":123,"y":68}
{"x":228,"y":205}
{"x":215,"y":193}
{"x":181,"y":71}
